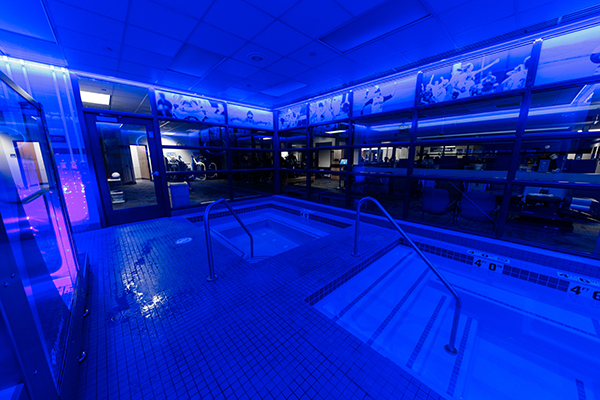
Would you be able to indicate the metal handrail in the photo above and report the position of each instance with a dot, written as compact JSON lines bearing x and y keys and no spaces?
{"x":211,"y":264}
{"x":457,"y":301}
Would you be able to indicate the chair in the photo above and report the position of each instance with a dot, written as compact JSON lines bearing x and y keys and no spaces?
{"x":478,"y":206}
{"x":436,"y":201}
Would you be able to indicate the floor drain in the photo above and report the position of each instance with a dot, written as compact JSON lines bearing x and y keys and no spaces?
{"x":184,"y":240}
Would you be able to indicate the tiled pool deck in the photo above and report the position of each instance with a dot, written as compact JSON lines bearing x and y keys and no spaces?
{"x":159,"y":330}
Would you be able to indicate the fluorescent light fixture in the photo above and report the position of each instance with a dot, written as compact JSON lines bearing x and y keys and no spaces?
{"x":340,"y":131}
{"x":95,"y":98}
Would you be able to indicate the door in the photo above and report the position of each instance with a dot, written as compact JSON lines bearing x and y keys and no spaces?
{"x":125,"y":160}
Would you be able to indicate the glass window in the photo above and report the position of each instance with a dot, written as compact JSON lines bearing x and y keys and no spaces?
{"x":292,"y":139}
{"x":249,"y":138}
{"x":571,"y":56}
{"x":328,"y":188}
{"x":291,"y":159}
{"x":392,"y":160}
{"x":562,"y":160}
{"x":555,"y":216}
{"x":394,"y":128}
{"x":477,"y":119}
{"x":253,"y":184}
{"x":390,"y":191}
{"x":329,"y":135}
{"x":176,"y":133}
{"x":105,"y":95}
{"x":479,"y":160}
{"x":487,"y":74}
{"x":570,"y":110}
{"x":384,"y":96}
{"x":329,"y":159}
{"x":464,"y":205}
{"x":293,"y":183}
{"x":194,"y":160}
{"x":251,"y":159}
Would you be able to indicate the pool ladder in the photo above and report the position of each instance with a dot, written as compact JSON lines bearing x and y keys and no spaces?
{"x":211,"y":263}
{"x":450,"y":348}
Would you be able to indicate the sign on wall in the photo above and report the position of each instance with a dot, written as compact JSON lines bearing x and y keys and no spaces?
{"x":174,"y":105}
{"x":384,"y":96}
{"x":490,"y":73}
{"x":249,"y":117}
{"x":292,"y":117}
{"x":330,"y":109}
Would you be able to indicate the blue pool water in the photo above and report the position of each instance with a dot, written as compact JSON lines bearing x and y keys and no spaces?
{"x":515,"y":340}
{"x":274,"y":232}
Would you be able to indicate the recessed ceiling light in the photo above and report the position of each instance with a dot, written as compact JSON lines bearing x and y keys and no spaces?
{"x":95,"y":98}
{"x":256,"y":57}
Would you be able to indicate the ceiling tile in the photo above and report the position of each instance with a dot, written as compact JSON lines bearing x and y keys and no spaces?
{"x":313,"y":54}
{"x":274,"y":8}
{"x":260,"y":99}
{"x":429,"y":50}
{"x":281,"y":39}
{"x":150,"y":41}
{"x":372,"y":53}
{"x":394,"y":61}
{"x":324,"y":16}
{"x":86,"y":22}
{"x":91,"y":44}
{"x":149,"y":73}
{"x":196,"y":9}
{"x":287,"y":67}
{"x":338,"y":66}
{"x":418,"y":34}
{"x":84,"y":58}
{"x":250,"y":48}
{"x":222,"y":77}
{"x":487,"y":31}
{"x":93,"y":69}
{"x":209,"y":38}
{"x":135,"y":78}
{"x":145,"y":14}
{"x":312,"y":76}
{"x":282,"y":88}
{"x":115,"y":9}
{"x":32,"y":49}
{"x":194,"y":61}
{"x":469,"y":15}
{"x":237,"y":68}
{"x":140,"y":56}
{"x":176,"y":80}
{"x":439,"y":6}
{"x":27,"y":17}
{"x":267,"y":78}
{"x":238,"y":18}
{"x":233,"y":93}
{"x":251,"y":85}
{"x":209,"y":88}
{"x":357,"y":7}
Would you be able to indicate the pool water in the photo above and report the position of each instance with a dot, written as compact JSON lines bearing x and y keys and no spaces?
{"x":273,"y":232}
{"x":512,"y":342}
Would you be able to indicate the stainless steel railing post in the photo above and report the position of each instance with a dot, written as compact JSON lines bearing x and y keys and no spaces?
{"x":211,"y":264}
{"x":450,"y":347}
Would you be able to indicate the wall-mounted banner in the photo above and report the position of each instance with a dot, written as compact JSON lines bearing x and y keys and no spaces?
{"x":572,"y":56}
{"x":249,"y":117}
{"x":491,"y":73}
{"x":330,"y":108}
{"x":384,"y":96}
{"x":292,"y":117}
{"x":175,"y":105}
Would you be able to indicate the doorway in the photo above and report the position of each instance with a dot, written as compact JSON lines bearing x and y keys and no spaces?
{"x":124,"y":151}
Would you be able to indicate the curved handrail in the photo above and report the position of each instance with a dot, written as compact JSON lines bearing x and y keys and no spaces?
{"x":211,"y":263}
{"x":457,"y":301}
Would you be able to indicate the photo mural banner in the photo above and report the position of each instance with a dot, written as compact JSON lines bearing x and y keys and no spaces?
{"x":174,"y":105}
{"x":384,"y":96}
{"x":330,"y":109}
{"x":292,"y":117}
{"x":491,"y":73}
{"x":572,"y":56}
{"x":249,"y":117}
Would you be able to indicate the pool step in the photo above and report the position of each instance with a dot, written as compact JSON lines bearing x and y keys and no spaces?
{"x":397,"y":262}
